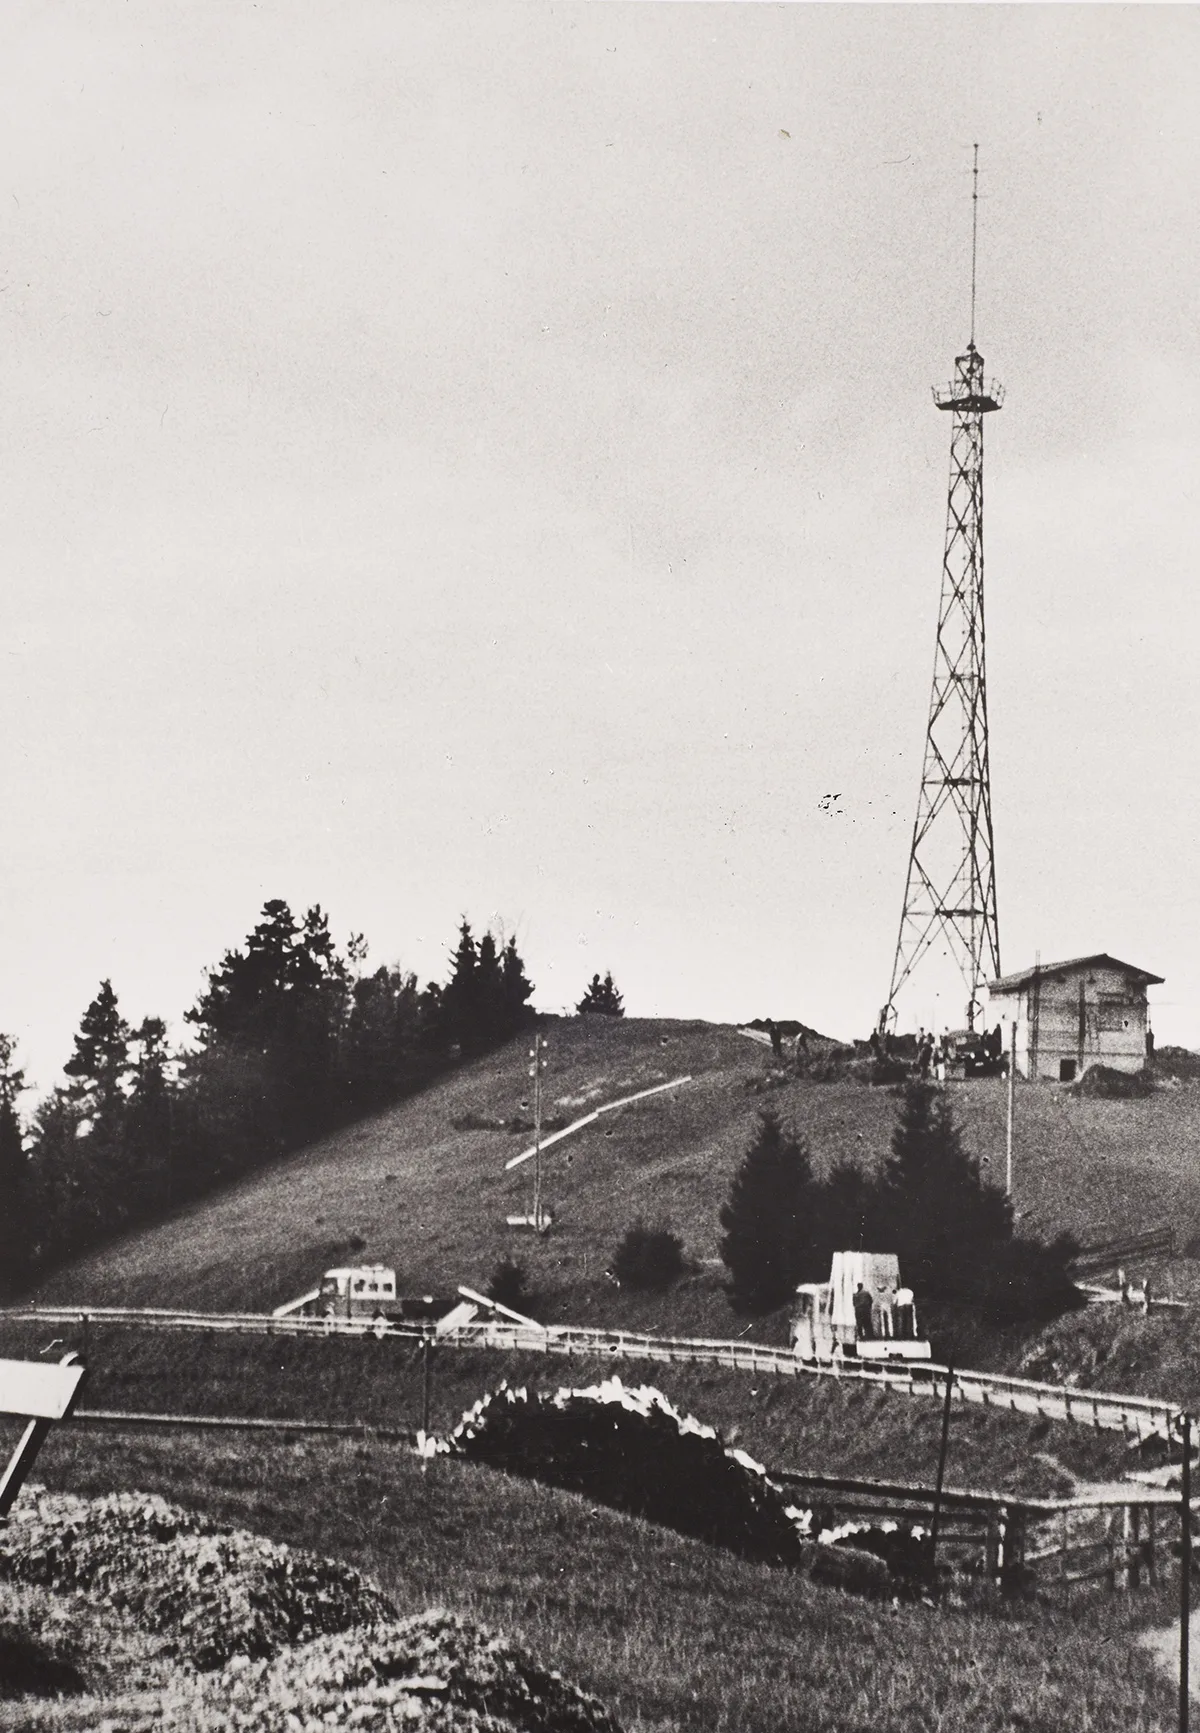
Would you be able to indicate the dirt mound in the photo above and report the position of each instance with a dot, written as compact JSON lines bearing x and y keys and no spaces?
{"x":1102,"y":1083}
{"x":212,"y":1593}
{"x":632,"y":1450}
{"x":131,"y":1614}
{"x":436,"y":1673}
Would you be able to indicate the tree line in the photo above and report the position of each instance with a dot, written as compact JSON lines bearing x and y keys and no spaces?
{"x":952,"y":1230}
{"x":289,"y":1040}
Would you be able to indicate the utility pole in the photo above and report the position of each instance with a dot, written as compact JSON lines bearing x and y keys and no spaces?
{"x":950,"y":890}
{"x":1012,"y":1108}
{"x":1185,"y":1572}
{"x":425,"y":1356}
{"x":941,"y":1474}
{"x":541,"y":1218}
{"x":538,"y":1066}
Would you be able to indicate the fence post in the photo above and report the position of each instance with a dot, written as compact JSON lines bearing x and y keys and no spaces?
{"x":1185,"y":1570}
{"x":993,"y":1560}
{"x":425,"y":1385}
{"x":941,"y":1474}
{"x":1110,"y":1526}
{"x":1012,"y":1561}
{"x":1131,"y":1538}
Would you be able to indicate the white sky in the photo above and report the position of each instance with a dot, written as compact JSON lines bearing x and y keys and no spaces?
{"x":480,"y":459}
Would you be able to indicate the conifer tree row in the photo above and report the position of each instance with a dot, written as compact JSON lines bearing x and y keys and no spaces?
{"x":288,"y":1041}
{"x":927,"y":1202}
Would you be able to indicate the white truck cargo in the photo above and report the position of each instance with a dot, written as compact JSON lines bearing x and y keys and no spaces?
{"x":862,"y":1312}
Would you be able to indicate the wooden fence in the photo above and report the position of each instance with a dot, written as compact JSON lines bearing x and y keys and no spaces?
{"x":1100,"y":1256}
{"x":1136,"y":1417}
{"x":1113,"y":1538}
{"x":1110,"y":1538}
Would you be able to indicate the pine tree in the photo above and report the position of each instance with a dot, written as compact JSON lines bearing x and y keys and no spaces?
{"x":100,"y":1062}
{"x":385,"y":1039}
{"x":16,"y":1204}
{"x":149,"y":1157}
{"x":486,"y":998}
{"x":849,"y":1216}
{"x":63,"y":1184}
{"x":491,"y":1022}
{"x":770,"y":1224}
{"x":944,"y":1219}
{"x":460,"y":996}
{"x":98,"y":1069}
{"x":277,"y":1011}
{"x":602,"y":997}
{"x":516,"y":989}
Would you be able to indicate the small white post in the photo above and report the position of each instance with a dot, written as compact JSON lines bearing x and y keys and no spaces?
{"x":538,"y":1066}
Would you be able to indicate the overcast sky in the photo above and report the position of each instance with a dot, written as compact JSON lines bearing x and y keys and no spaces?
{"x":480,"y":459}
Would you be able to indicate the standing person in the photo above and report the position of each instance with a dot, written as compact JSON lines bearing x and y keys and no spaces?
{"x":776,"y":1038}
{"x":924,"y":1054}
{"x":864,"y":1307}
{"x":905,"y":1315}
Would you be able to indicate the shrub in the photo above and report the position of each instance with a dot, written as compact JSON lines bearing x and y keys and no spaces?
{"x":1026,"y":1282}
{"x":509,"y":1286}
{"x":648,"y":1258}
{"x":1105,"y":1084}
{"x":1178,"y":1062}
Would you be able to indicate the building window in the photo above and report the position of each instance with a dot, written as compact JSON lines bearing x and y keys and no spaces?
{"x":1114,"y":1014}
{"x":1066,"y":1071}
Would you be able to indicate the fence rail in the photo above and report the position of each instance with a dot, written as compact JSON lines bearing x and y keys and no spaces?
{"x":1136,"y":1417}
{"x":1101,"y":1255}
{"x":1111,"y":1536}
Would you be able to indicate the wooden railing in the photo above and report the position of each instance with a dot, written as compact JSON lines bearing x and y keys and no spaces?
{"x":1100,"y":1256}
{"x":1136,"y":1417}
{"x":1115,"y":1538}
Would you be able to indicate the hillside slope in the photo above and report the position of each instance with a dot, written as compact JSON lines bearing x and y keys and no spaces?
{"x":409,"y":1189}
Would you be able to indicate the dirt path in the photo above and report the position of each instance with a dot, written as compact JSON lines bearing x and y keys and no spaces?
{"x":1163,"y":1644}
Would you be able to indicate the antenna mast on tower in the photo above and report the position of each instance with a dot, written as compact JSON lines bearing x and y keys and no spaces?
{"x":950,"y":892}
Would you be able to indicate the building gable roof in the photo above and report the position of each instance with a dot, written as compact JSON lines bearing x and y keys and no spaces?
{"x":1101,"y":960}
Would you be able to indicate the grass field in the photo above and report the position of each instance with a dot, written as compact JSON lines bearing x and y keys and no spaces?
{"x":802,"y":1424}
{"x":672,"y":1634}
{"x":431,"y":1200}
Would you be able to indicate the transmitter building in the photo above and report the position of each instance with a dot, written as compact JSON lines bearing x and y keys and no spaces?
{"x":1069,"y":1016}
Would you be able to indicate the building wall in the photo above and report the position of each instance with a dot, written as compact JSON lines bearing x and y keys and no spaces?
{"x":1088,"y":1016}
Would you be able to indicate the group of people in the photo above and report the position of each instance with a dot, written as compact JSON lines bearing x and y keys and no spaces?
{"x":880,"y":1320}
{"x":799,"y":1043}
{"x":936,"y":1054}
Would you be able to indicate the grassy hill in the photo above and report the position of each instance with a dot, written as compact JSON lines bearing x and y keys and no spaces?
{"x":409,"y":1188}
{"x":676,"y":1636}
{"x":414,"y":1188}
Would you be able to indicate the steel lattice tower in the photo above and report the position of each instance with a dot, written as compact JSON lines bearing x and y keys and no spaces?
{"x":950,"y":892}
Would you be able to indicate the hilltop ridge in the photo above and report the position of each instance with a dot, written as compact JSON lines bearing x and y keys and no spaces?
{"x":423,"y":1185}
